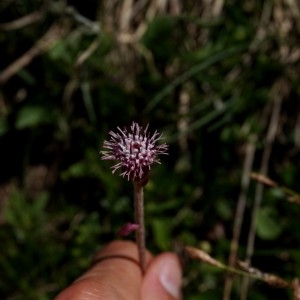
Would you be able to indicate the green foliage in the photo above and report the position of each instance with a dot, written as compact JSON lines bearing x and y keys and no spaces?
{"x":3,"y":126}
{"x":208,"y":80}
{"x":160,"y":39}
{"x":23,"y":224}
{"x":33,"y":116}
{"x":268,"y":227}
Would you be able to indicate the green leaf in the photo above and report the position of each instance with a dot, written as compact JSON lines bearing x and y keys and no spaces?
{"x":193,"y":71}
{"x":161,"y":233}
{"x":267,"y":226}
{"x":32,"y":116}
{"x":223,"y":209}
{"x":76,"y":170}
{"x":27,"y":77}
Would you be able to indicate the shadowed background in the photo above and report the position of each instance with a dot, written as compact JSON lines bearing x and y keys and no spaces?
{"x":220,"y":80}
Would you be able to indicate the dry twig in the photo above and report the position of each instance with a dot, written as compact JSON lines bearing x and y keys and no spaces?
{"x":23,"y":21}
{"x":55,"y":32}
{"x":248,"y":162}
{"x":279,"y":91}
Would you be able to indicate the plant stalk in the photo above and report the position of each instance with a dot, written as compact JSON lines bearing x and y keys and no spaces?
{"x":139,"y":219}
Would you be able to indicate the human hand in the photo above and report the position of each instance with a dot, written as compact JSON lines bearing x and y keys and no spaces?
{"x":116,"y":275}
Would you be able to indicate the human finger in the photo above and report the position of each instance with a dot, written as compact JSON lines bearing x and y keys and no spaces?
{"x":116,"y":275}
{"x":163,"y":278}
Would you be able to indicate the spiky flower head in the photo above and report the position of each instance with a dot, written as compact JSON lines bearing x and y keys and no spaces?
{"x":135,"y":150}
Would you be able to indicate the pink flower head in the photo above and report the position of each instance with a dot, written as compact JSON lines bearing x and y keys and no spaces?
{"x":135,"y":150}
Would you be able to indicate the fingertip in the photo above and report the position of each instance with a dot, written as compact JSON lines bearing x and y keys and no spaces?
{"x":163,"y":278}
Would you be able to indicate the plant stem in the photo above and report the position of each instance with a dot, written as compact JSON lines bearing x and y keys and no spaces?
{"x":139,"y":219}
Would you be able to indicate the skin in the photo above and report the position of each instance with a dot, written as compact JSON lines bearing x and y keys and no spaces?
{"x":119,"y":277}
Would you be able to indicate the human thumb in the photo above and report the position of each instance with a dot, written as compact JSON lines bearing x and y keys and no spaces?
{"x":163,"y":278}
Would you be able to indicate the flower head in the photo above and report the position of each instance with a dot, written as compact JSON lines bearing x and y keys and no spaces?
{"x":135,"y":149}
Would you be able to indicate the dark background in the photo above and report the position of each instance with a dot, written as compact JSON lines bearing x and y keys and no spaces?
{"x":217,"y":79}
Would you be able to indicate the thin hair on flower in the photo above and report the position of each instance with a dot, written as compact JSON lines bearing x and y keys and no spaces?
{"x":135,"y":149}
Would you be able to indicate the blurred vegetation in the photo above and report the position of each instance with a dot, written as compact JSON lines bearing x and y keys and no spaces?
{"x":219,"y":78}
